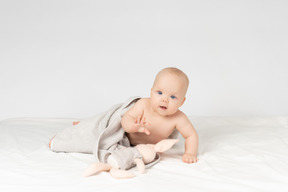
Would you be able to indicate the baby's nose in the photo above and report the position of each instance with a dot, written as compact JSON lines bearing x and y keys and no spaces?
{"x":164,"y":99}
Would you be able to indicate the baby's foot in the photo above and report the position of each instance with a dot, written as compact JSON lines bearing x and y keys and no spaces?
{"x":50,"y":142}
{"x":76,"y":122}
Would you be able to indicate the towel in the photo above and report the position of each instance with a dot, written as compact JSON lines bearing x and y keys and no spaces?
{"x":100,"y":135}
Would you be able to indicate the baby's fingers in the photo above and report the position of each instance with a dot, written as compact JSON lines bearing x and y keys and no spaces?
{"x":189,"y":159}
{"x":144,"y":130}
{"x":147,"y":124}
{"x":185,"y":159}
{"x":143,"y":121}
{"x":138,"y":120}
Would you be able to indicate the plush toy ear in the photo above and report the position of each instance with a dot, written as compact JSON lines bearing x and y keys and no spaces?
{"x":120,"y":174}
{"x":140,"y":165}
{"x":96,"y":168}
{"x":164,"y":145}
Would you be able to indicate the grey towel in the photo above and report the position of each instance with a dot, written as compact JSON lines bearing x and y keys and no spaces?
{"x":101,"y":135}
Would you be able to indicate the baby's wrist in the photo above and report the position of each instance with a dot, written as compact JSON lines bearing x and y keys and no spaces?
{"x":189,"y":153}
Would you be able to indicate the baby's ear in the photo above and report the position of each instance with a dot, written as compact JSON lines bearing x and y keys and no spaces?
{"x":164,"y":145}
{"x":183,"y":101}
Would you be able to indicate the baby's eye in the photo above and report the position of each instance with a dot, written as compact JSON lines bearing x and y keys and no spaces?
{"x":173,"y":97}
{"x":159,"y":92}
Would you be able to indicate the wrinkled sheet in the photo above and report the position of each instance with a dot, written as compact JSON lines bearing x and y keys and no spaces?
{"x":235,"y":154}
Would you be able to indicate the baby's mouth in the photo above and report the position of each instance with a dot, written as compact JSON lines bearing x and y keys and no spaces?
{"x":163,"y":107}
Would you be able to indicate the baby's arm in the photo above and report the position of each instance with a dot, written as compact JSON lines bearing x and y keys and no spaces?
{"x":133,"y":120}
{"x":187,"y":130}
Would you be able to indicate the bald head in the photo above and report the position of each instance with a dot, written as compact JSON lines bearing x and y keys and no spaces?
{"x":175,"y":72}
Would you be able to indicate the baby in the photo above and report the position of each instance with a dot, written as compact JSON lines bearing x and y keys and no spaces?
{"x":153,"y":119}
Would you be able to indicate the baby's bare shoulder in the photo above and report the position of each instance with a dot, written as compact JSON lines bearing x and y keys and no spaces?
{"x":139,"y":105}
{"x":143,"y":101}
{"x":180,"y":114}
{"x":181,"y":117}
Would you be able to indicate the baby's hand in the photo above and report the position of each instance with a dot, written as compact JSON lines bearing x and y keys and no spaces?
{"x":189,"y":158}
{"x":140,"y":125}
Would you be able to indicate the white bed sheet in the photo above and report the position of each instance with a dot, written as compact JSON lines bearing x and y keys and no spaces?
{"x":235,"y":154}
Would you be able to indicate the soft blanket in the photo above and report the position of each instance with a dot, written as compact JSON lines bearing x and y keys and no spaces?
{"x":101,"y":135}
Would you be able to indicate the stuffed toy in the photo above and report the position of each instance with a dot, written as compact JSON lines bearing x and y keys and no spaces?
{"x":147,"y":151}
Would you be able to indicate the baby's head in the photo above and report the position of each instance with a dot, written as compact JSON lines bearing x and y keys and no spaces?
{"x":168,"y":91}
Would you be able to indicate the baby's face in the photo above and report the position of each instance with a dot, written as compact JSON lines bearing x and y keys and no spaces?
{"x":168,"y":94}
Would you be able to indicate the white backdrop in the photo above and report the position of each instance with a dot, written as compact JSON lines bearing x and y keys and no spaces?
{"x":77,"y":58}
